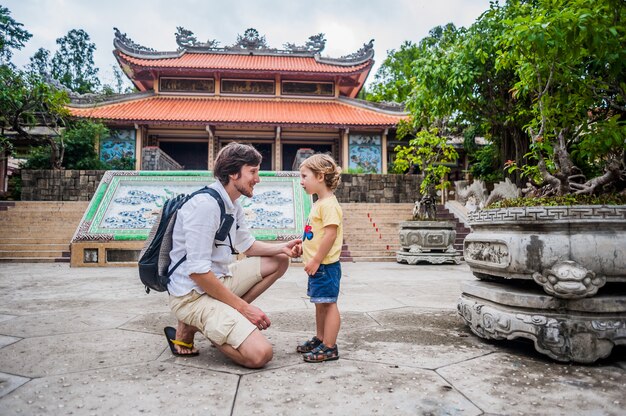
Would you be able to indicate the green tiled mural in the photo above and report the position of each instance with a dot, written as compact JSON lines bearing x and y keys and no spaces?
{"x":124,"y":205}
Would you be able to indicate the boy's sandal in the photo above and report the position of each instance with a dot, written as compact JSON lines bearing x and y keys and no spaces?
{"x":309,"y":345}
{"x":322,"y":353}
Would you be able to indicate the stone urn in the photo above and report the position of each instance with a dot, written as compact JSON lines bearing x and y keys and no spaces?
{"x":427,"y":241}
{"x":556,"y":275}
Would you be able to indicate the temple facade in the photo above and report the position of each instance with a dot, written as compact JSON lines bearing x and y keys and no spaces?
{"x":288,"y":103}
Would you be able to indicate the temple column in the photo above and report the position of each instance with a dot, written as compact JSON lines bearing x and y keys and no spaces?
{"x":278,"y":162}
{"x":345,"y":162}
{"x":139,"y":136}
{"x":384,"y":151}
{"x":211,"y":145}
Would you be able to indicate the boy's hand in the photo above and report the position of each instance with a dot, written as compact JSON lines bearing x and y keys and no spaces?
{"x":311,"y":267}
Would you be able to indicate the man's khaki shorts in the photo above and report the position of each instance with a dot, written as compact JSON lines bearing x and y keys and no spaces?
{"x":219,"y":322}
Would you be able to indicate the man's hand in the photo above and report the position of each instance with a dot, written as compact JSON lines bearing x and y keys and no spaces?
{"x":256,"y":316}
{"x":293,"y":248}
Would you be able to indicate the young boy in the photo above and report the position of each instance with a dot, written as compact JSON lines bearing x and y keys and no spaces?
{"x":321,"y":246}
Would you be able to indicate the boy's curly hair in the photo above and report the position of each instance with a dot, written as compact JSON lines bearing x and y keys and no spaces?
{"x":324,"y":164}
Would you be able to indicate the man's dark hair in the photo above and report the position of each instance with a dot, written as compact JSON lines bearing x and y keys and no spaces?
{"x":232,"y":158}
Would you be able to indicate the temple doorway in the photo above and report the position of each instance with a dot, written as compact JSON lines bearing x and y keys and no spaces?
{"x":290,"y":151}
{"x":190,"y":155}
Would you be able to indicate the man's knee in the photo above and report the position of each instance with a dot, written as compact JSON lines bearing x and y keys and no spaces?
{"x":256,"y":351}
{"x":283,"y":263}
{"x":262,"y":357}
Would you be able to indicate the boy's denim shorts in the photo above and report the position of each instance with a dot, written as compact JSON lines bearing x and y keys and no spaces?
{"x":324,"y":284}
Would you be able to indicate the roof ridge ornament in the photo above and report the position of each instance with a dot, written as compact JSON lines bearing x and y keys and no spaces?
{"x":187,"y":40}
{"x":128,"y":43}
{"x":367,"y":47}
{"x":315,"y":44}
{"x":250,"y":40}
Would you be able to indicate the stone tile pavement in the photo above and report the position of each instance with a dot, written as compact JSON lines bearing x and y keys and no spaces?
{"x":80,"y":341}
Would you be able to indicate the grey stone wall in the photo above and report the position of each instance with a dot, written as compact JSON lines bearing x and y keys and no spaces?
{"x":80,"y":185}
{"x":153,"y":158}
{"x":60,"y":185}
{"x":378,"y":188}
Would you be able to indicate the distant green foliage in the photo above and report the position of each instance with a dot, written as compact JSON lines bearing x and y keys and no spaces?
{"x":81,"y":150}
{"x":430,"y":152}
{"x":73,"y":65}
{"x":12,"y":36}
{"x":484,"y":164}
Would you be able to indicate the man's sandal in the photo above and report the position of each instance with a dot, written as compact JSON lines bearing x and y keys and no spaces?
{"x":309,"y":345}
{"x":170,"y":335}
{"x":321,"y":353}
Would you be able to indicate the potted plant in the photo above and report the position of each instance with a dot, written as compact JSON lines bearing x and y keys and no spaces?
{"x":423,"y":238}
{"x":565,"y":239}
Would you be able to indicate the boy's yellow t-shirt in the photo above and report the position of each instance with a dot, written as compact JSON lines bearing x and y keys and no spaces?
{"x":324,"y":212}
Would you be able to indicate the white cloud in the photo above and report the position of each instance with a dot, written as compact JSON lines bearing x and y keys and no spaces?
{"x":347,"y":24}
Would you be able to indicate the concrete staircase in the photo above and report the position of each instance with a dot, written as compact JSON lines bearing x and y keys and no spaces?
{"x":461,"y":230}
{"x":38,"y":231}
{"x":370,"y":231}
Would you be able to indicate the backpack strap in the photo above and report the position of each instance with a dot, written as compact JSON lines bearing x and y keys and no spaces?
{"x":215,"y":194}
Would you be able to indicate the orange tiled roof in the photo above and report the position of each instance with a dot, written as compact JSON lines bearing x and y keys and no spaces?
{"x":246,"y":62}
{"x":216,"y":110}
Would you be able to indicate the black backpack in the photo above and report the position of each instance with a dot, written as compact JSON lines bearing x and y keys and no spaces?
{"x":154,"y":259}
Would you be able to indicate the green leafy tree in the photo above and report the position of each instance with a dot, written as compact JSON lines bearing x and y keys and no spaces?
{"x":457,"y":87}
{"x":570,"y":60}
{"x":73,"y":65}
{"x":40,"y":63}
{"x":431,"y":152}
{"x":27,"y":101}
{"x":12,"y":36}
{"x":392,"y":81}
{"x":81,"y":140}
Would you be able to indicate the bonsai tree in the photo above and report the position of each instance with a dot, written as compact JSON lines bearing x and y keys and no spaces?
{"x":570,"y":60}
{"x":430,"y":152}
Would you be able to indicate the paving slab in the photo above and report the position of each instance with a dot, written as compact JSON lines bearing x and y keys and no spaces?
{"x":148,"y":389}
{"x":69,"y":353}
{"x":503,"y":383}
{"x":9,"y":382}
{"x":347,"y":388}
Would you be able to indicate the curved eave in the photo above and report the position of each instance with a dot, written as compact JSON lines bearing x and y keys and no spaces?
{"x":239,"y":111}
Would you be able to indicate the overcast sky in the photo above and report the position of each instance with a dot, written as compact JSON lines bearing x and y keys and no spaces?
{"x":347,"y":24}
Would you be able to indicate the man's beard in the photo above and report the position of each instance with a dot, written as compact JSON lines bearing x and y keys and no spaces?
{"x":243,"y":191}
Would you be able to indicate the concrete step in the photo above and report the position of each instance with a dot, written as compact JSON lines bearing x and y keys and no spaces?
{"x":373,"y":259}
{"x":35,"y":260}
{"x":33,"y":253}
{"x":4,"y":246}
{"x":36,"y":240}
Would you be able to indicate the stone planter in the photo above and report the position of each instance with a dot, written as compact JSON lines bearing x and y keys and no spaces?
{"x":570,"y":251}
{"x":427,"y":241}
{"x":556,"y":275}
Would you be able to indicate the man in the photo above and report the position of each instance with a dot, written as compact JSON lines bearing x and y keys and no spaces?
{"x":208,"y":292}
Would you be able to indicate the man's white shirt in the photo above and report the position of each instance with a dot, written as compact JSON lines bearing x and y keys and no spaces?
{"x":194,"y":234}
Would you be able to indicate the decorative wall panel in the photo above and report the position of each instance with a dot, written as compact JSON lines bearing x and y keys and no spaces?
{"x":124,"y":205}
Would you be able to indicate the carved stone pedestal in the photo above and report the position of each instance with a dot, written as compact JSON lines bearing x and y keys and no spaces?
{"x":571,"y":252}
{"x":579,"y":330}
{"x":427,"y":241}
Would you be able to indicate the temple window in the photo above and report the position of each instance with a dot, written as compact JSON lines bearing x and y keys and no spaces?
{"x":240,"y":86}
{"x":189,"y":85}
{"x":320,"y":89}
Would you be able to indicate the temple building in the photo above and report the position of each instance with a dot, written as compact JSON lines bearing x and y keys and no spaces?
{"x":288,"y":103}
